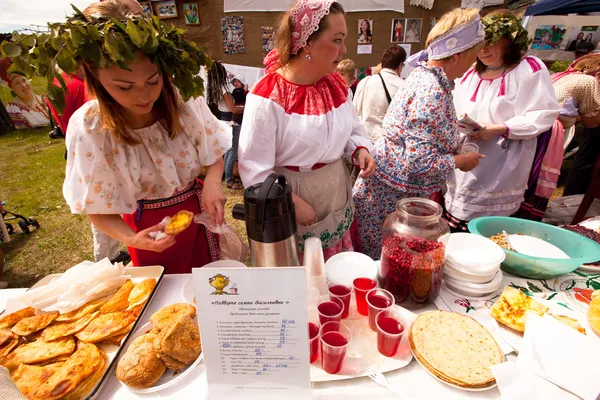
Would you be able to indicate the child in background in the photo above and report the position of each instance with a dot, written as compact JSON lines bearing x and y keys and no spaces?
{"x":347,"y":69}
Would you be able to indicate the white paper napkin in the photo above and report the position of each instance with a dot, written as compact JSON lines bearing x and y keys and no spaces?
{"x":562,"y":355}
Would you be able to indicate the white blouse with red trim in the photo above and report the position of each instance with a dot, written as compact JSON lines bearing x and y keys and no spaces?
{"x":289,"y":125}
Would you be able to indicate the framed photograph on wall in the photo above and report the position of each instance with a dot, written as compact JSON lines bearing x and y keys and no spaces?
{"x":191,"y":14}
{"x":365,"y":31}
{"x":146,"y":7}
{"x":413,"y":30}
{"x":166,"y":9}
{"x":398,"y":25}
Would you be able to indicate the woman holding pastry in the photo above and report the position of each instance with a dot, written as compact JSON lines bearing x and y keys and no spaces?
{"x":135,"y":150}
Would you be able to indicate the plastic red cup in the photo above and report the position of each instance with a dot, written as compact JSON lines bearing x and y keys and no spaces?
{"x":361,"y":287}
{"x":378,"y":300}
{"x":342,"y":292}
{"x":389,"y":332}
{"x":330,"y":309}
{"x":313,"y":340}
{"x":335,"y":338}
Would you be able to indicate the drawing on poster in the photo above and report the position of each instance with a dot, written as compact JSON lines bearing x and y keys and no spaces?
{"x":146,"y":8}
{"x":232,"y":29}
{"x":588,"y":33}
{"x":549,"y":37}
{"x":268,"y":38}
{"x":166,"y":9}
{"x":190,"y":11}
{"x":413,"y":30}
{"x":398,"y":25}
{"x":365,"y":31}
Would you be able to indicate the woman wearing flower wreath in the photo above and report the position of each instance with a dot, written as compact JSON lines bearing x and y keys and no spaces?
{"x":512,"y":96}
{"x":415,"y":154}
{"x":300,"y":122}
{"x":137,"y":148}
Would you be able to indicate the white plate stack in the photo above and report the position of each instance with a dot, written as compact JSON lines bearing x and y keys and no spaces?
{"x":473,"y":266}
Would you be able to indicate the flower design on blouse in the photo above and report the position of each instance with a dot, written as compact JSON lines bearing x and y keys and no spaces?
{"x":451,"y":43}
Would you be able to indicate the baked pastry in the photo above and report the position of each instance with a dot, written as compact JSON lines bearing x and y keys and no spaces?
{"x":30,"y":325}
{"x":179,"y":344}
{"x":455,"y":348}
{"x":81,"y":312}
{"x":179,"y":222}
{"x":511,"y":308}
{"x":140,"y":366}
{"x":10,"y":320}
{"x":141,"y":292}
{"x":40,"y":351}
{"x":120,"y":300}
{"x":29,"y":378}
{"x":594,"y":312}
{"x":169,"y":314}
{"x":107,"y":325}
{"x":57,"y":331}
{"x":8,"y":341}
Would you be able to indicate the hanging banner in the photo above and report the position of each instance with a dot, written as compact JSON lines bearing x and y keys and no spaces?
{"x":284,"y":5}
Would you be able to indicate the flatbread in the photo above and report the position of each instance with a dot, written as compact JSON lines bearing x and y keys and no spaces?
{"x":107,"y":325}
{"x":511,"y":308}
{"x":168,"y":315}
{"x":30,"y":325}
{"x":120,"y":300}
{"x":57,"y":331}
{"x":141,"y":292}
{"x":455,"y":348}
{"x":8,"y":341}
{"x":10,"y":320}
{"x":179,"y":222}
{"x":87,"y":362}
{"x":140,"y":366}
{"x":29,"y":378}
{"x":81,"y":312}
{"x":40,"y":351}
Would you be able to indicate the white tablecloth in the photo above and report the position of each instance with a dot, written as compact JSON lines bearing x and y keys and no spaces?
{"x":412,"y":380}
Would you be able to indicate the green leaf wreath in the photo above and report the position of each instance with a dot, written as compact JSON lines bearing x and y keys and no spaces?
{"x":499,"y":26}
{"x":104,"y":42}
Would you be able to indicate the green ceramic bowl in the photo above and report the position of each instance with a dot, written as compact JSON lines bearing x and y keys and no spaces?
{"x":581,"y":249}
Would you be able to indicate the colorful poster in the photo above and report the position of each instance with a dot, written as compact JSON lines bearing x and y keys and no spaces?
{"x":589,"y":33}
{"x":190,"y":12}
{"x":146,"y":7}
{"x":166,"y":9}
{"x":398,"y":25}
{"x":268,"y":38}
{"x":549,"y":37}
{"x":365,"y":31}
{"x":413,"y":30}
{"x":232,"y":29}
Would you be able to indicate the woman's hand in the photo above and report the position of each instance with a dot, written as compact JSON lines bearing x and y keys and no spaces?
{"x":366,"y":163}
{"x":305,"y":214}
{"x":143,"y":241}
{"x":488,"y":132}
{"x":213,"y":198}
{"x":468,"y":161}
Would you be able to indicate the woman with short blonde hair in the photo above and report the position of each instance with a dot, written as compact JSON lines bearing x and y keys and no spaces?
{"x":415,"y":155}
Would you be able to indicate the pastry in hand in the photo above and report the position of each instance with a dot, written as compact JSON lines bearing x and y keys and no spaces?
{"x":179,"y":222}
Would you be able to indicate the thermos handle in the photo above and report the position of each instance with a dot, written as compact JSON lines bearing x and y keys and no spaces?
{"x":261,"y":200}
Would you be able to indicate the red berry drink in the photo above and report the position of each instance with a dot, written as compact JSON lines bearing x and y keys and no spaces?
{"x":330,"y":310}
{"x":334,"y":352}
{"x":313,"y":339}
{"x":343,"y":293}
{"x":378,"y":300}
{"x":389,"y":333}
{"x":361,"y":287}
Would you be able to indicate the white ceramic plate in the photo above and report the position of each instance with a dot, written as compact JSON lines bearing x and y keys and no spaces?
{"x":534,"y":247}
{"x":491,"y":386}
{"x":362,"y":351}
{"x":169,"y":378}
{"x":345,"y":267}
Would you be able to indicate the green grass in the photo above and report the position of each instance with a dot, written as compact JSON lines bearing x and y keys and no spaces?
{"x":32,"y":170}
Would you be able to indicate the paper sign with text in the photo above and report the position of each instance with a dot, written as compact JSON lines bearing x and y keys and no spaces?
{"x":253,"y":323}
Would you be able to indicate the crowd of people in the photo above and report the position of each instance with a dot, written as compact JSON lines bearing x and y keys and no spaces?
{"x":135,"y":149}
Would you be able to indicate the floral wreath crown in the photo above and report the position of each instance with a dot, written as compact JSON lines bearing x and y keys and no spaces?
{"x":104,"y":42}
{"x":499,"y":26}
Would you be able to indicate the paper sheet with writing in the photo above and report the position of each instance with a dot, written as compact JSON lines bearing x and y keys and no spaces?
{"x":253,"y":323}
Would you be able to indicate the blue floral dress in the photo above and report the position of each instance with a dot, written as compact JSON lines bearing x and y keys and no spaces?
{"x":415,"y":154}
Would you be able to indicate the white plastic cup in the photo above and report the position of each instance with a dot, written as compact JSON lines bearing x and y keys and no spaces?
{"x":469,"y":147}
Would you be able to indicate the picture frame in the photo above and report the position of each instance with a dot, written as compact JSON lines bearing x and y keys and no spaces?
{"x":412,"y":31}
{"x":166,"y":9}
{"x":146,"y":8}
{"x":397,"y":33}
{"x":191,"y":13}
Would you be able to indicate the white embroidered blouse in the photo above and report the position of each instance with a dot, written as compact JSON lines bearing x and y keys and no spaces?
{"x":104,"y":176}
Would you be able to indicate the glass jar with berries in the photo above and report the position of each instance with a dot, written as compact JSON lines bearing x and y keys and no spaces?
{"x":414,"y":251}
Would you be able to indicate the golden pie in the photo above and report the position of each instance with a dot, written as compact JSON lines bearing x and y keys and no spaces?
{"x":11,"y":320}
{"x":81,"y":312}
{"x":120,"y":300}
{"x":179,"y":222}
{"x":169,"y":314}
{"x":141,"y":292}
{"x":107,"y":325}
{"x":140,"y":366}
{"x":57,"y":331}
{"x":40,"y":351}
{"x":30,"y":325}
{"x":511,"y":308}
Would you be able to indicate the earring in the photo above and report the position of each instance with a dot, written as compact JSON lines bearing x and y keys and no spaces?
{"x":308,"y":57}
